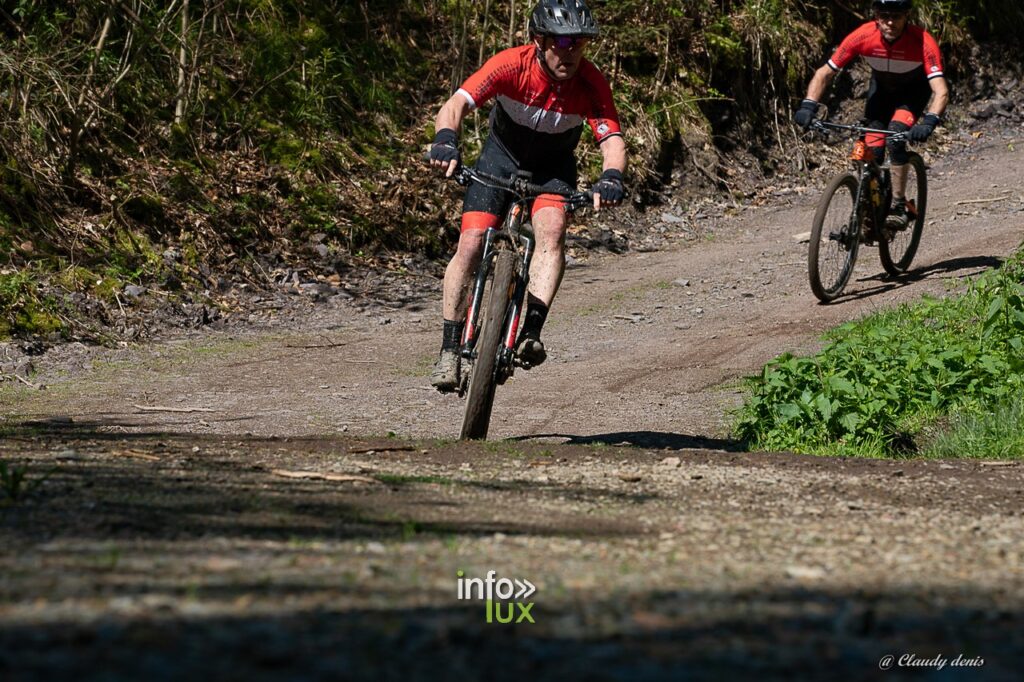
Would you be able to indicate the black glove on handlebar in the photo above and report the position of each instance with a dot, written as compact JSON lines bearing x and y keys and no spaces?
{"x":609,"y":187}
{"x":923,"y":130}
{"x":445,"y":146}
{"x":804,"y":116}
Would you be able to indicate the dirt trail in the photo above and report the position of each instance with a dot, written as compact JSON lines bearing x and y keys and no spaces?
{"x":631,"y":350}
{"x":168,"y":543}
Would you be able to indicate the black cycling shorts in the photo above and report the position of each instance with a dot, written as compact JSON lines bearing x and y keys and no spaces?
{"x":558,"y":173}
{"x":895,"y":110}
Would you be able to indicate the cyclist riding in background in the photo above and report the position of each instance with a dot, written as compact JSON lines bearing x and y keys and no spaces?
{"x":906,"y":81}
{"x":544,"y":91}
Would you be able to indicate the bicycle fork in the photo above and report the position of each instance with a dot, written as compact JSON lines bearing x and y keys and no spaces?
{"x":513,"y":315}
{"x":516,"y":305}
{"x":472,"y":327}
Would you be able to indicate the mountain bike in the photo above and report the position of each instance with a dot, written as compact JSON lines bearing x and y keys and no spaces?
{"x":496,"y":302}
{"x":852,"y":211}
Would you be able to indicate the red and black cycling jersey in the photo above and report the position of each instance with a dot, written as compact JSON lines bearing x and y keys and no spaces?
{"x":537,"y":117}
{"x":908,"y":61}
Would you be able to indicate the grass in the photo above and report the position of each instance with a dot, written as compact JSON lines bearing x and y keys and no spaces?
{"x":879,"y":383}
{"x":400,"y":479}
{"x":998,"y":434}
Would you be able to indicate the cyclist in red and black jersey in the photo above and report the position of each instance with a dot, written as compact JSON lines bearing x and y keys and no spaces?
{"x":906,"y":81}
{"x":543,"y":93}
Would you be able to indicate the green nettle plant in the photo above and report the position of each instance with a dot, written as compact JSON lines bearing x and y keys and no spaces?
{"x":881,"y":377}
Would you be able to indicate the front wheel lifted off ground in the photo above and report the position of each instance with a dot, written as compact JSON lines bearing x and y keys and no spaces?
{"x":482,"y":383}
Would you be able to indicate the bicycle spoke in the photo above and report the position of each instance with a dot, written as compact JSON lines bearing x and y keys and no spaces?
{"x":834,"y":250}
{"x":899,"y":248}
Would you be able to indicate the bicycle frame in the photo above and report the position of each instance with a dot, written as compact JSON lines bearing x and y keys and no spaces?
{"x":836,"y":236}
{"x":516,"y":234}
{"x":868,"y":203}
{"x":872,"y":201}
{"x":514,"y":226}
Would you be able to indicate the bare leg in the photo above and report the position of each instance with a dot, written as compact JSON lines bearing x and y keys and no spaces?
{"x":548,"y":264}
{"x":458,"y":276}
{"x":899,"y":181}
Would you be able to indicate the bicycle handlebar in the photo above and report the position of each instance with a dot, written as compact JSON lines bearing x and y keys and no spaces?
{"x":520,"y":186}
{"x":891,"y":137}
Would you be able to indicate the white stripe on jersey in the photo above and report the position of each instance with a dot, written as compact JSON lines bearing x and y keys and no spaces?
{"x":472,"y":104}
{"x":892,"y":65}
{"x":539,"y":119}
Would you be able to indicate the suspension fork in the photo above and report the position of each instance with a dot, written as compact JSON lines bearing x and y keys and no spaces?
{"x":878,"y":211}
{"x":862,"y":207}
{"x":519,"y":294}
{"x":471,"y":328}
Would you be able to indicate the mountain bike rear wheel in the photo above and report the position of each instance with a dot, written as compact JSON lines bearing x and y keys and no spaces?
{"x":898,"y":249}
{"x":835,"y":238}
{"x":482,"y":382}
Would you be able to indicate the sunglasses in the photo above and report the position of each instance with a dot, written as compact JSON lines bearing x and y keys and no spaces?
{"x":891,"y":16}
{"x":569,"y":42}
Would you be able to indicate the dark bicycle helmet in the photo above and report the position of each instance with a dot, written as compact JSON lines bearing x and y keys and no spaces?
{"x":563,"y":18}
{"x":893,"y":5}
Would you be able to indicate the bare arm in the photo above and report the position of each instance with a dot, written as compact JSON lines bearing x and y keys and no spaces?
{"x":613,"y":149}
{"x":820,"y":82}
{"x":940,"y":96}
{"x":452,"y":113}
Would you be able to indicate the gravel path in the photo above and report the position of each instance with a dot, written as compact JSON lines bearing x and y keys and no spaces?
{"x":233,"y":506}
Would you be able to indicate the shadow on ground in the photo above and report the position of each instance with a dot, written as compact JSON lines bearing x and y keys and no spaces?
{"x":658,"y":440}
{"x":158,"y":486}
{"x":676,"y":635}
{"x":975,"y":264}
{"x":176,"y":503}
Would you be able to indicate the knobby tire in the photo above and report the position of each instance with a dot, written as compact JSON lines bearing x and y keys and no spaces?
{"x":480,"y":397}
{"x":897,"y":254}
{"x":827,"y":288}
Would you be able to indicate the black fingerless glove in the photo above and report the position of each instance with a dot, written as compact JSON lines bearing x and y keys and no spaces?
{"x":923,"y":130}
{"x":445,"y":146}
{"x":609,"y":187}
{"x":804,"y":116}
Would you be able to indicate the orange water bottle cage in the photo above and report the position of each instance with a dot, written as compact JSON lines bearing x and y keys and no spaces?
{"x":862,"y":152}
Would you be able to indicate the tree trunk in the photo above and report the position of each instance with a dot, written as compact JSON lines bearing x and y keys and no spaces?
{"x":180,"y":98}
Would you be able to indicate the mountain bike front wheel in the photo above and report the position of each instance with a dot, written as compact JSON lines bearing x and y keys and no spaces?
{"x":483,"y":379}
{"x":835,"y":238}
{"x":898,"y":248}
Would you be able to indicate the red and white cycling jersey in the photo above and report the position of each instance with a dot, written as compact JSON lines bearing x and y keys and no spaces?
{"x":907,"y":61}
{"x":537,"y":117}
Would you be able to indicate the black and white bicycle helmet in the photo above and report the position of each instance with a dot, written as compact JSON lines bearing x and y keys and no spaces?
{"x":563,"y":18}
{"x":893,"y":5}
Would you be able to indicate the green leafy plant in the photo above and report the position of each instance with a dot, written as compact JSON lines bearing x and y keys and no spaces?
{"x":878,"y":376}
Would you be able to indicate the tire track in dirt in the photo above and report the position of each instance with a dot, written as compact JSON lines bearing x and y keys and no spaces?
{"x":683,"y":376}
{"x":167,"y":552}
{"x":629,"y":349}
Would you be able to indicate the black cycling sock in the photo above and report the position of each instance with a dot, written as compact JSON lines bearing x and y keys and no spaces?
{"x":452,"y":334}
{"x":536,"y":315}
